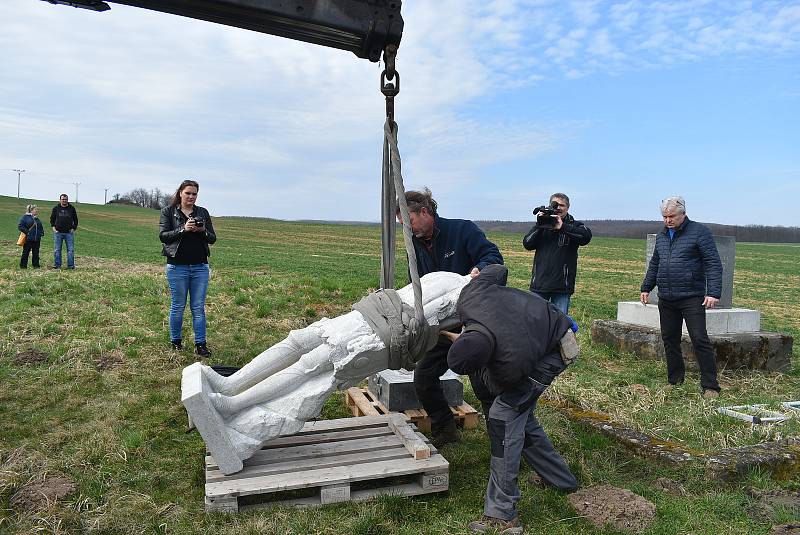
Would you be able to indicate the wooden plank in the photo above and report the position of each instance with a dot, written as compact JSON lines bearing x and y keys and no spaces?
{"x":394,"y":450}
{"x":326,"y":476}
{"x":361,"y":402}
{"x":404,"y":489}
{"x":332,"y":436}
{"x":334,"y":493}
{"x":222,"y":504}
{"x":416,"y":447}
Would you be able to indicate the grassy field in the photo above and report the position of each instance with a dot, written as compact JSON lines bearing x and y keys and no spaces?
{"x":90,"y":390}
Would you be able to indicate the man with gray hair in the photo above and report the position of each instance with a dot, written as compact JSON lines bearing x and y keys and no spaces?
{"x":688,"y":272}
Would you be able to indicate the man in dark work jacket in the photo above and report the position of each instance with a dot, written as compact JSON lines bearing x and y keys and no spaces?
{"x":512,"y":342}
{"x":456,"y":245}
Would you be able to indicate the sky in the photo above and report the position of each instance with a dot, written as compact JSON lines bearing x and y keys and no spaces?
{"x":618,"y":104}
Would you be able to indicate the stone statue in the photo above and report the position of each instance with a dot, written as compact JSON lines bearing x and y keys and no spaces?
{"x":287,"y":385}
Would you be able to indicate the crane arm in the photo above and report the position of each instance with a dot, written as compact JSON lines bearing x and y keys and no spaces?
{"x":364,"y":27}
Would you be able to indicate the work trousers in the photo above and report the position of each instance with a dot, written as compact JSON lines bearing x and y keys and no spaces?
{"x":514,"y":432}
{"x":672,"y":314}
{"x":429,"y":388}
{"x":31,"y":248}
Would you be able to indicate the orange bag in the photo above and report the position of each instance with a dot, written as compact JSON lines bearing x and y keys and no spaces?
{"x":22,"y":237}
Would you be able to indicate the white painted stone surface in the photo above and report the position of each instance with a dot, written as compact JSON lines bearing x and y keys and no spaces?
{"x":287,"y":385}
{"x":718,"y":320}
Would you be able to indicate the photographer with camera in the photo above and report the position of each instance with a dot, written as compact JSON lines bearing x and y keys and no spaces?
{"x":555,"y":237}
{"x":186,"y":232}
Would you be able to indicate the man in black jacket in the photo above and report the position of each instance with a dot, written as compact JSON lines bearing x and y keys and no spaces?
{"x":556,"y":260}
{"x":688,"y":272}
{"x":64,"y":220}
{"x":441,"y":244}
{"x":516,"y":344}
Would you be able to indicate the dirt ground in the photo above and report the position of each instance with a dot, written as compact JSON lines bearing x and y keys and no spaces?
{"x":30,"y":357}
{"x":35,"y":495}
{"x":619,"y":508}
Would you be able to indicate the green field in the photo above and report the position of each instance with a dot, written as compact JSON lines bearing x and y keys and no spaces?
{"x":91,"y":391}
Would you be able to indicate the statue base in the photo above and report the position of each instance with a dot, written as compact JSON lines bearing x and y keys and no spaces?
{"x":765,"y":351}
{"x":718,"y":320}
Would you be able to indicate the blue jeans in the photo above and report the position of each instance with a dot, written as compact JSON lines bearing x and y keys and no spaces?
{"x":559,"y":300}
{"x":59,"y":238}
{"x":191,"y":279}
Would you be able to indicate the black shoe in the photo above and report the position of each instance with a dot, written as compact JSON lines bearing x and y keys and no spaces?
{"x":447,"y":434}
{"x":202,"y":350}
{"x":177,"y":345}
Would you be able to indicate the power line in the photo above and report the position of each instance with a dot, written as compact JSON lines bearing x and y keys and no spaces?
{"x":76,"y":191}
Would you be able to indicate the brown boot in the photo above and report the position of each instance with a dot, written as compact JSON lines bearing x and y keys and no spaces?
{"x":447,"y":434}
{"x":504,"y":527}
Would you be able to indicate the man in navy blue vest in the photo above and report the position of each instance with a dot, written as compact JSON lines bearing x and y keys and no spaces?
{"x":688,"y":272}
{"x":456,"y":245}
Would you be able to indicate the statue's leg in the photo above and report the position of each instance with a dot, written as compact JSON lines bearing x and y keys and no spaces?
{"x":278,"y":384}
{"x":276,"y":358}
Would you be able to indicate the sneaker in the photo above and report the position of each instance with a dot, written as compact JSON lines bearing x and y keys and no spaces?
{"x":177,"y":345}
{"x":710,"y":394}
{"x":448,"y":434}
{"x":504,"y":527}
{"x":201,"y":349}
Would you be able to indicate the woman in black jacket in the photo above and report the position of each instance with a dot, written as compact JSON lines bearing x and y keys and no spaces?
{"x":186,"y":232}
{"x":33,"y":229}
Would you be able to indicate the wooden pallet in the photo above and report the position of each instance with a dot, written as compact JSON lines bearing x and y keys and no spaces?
{"x":331,"y":461}
{"x":362,"y":402}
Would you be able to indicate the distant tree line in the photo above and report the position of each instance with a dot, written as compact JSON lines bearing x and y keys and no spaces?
{"x":153,"y":198}
{"x":616,"y":228}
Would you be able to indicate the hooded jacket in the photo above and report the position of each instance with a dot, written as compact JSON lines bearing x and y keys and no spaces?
{"x":524,"y":327}
{"x":688,"y":265}
{"x":64,"y":218}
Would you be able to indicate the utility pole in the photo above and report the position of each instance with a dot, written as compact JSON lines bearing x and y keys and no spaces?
{"x":76,"y":191}
{"x":19,"y":178}
{"x":105,"y":196}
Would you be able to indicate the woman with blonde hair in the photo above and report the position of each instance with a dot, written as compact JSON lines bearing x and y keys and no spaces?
{"x":34,"y":230}
{"x":186,"y":232}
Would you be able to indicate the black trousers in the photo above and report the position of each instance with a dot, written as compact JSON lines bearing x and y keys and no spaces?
{"x":429,"y":388}
{"x":28,"y":248}
{"x":672,"y":313}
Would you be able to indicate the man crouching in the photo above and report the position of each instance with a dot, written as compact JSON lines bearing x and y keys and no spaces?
{"x":515,"y":343}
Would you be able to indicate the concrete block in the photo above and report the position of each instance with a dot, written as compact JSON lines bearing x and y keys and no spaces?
{"x":718,"y":320}
{"x":726,"y":246}
{"x":395,"y":389}
{"x":766,"y":351}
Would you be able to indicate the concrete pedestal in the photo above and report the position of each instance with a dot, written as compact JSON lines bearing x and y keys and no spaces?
{"x":718,"y":320}
{"x":766,"y":351}
{"x":395,"y":389}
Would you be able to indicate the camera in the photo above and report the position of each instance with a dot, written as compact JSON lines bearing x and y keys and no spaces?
{"x":199,"y":222}
{"x":544,"y":215}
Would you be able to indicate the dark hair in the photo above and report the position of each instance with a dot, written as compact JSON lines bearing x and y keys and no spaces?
{"x":63,"y":195}
{"x":417,"y":200}
{"x":176,"y":199}
{"x":560,"y":196}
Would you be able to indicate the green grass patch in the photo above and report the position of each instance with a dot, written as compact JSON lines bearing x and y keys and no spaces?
{"x":91,"y":390}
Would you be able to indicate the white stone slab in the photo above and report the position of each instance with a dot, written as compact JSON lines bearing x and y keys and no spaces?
{"x":718,"y":320}
{"x":207,"y":420}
